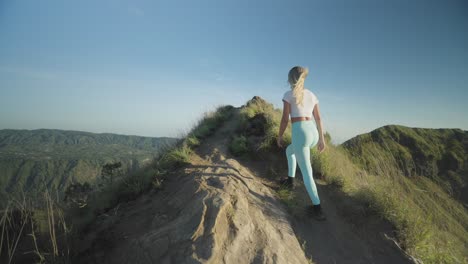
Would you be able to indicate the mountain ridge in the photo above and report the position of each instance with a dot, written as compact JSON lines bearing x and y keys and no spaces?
{"x":34,"y":160}
{"x":440,"y":154}
{"x":221,"y":209}
{"x":19,"y":136}
{"x":215,"y":198}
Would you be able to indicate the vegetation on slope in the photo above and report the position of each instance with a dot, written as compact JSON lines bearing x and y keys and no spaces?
{"x":69,"y":137}
{"x":439,"y":154}
{"x":33,"y":161}
{"x":431,"y":226}
{"x":47,"y":227}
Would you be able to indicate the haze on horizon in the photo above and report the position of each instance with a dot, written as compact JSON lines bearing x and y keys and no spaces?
{"x":151,"y":68}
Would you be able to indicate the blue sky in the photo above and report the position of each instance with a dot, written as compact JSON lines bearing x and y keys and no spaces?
{"x":152,"y":68}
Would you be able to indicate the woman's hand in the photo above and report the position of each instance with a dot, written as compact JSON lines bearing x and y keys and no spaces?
{"x":321,"y":145}
{"x":279,"y":142}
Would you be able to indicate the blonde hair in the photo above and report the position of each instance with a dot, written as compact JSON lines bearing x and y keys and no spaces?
{"x":296,"y":78}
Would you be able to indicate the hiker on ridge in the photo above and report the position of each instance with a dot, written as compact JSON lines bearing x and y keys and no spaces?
{"x":301,"y":104}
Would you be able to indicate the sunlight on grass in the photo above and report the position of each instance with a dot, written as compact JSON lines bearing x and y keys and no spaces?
{"x":431,"y":226}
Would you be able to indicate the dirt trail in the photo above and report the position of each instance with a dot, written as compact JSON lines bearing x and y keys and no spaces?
{"x":219,"y":211}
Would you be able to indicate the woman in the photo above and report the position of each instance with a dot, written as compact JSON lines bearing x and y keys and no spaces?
{"x":301,"y":103}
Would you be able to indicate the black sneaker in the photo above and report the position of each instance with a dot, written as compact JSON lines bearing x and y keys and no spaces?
{"x":287,"y":182}
{"x":316,"y":212}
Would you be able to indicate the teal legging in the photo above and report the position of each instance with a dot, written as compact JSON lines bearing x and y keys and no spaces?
{"x":304,"y":136}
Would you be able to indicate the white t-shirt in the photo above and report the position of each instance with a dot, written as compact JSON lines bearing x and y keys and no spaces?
{"x":308,"y":103}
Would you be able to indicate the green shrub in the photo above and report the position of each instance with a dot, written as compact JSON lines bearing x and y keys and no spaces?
{"x":137,"y":183}
{"x":205,"y":129}
{"x":211,"y":121}
{"x":178,"y":156}
{"x":192,"y":141}
{"x":252,"y":114}
{"x":287,"y":196}
{"x":320,"y":162}
{"x":238,"y":146}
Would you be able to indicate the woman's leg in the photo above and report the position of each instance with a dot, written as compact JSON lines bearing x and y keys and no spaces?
{"x":291,"y":161}
{"x":303,"y":158}
{"x":304,"y":136}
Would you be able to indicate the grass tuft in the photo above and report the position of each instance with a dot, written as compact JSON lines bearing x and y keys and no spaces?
{"x":208,"y":124}
{"x":176,"y":157}
{"x":34,"y":230}
{"x":238,"y":146}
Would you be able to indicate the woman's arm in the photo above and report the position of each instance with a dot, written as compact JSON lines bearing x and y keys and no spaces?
{"x":318,"y":121}
{"x":284,"y":121}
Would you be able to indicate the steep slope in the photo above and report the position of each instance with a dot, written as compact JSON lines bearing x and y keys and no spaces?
{"x":217,"y":210}
{"x":32,"y":160}
{"x":439,"y":154}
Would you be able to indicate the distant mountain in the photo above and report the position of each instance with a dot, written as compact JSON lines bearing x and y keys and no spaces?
{"x":31,"y":160}
{"x":440,"y":154}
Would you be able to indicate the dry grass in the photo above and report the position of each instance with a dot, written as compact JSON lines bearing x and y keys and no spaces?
{"x":34,"y":230}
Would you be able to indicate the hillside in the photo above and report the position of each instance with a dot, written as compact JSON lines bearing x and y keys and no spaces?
{"x":222,"y":209}
{"x":214,"y":197}
{"x":439,"y":154}
{"x":32,"y":160}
